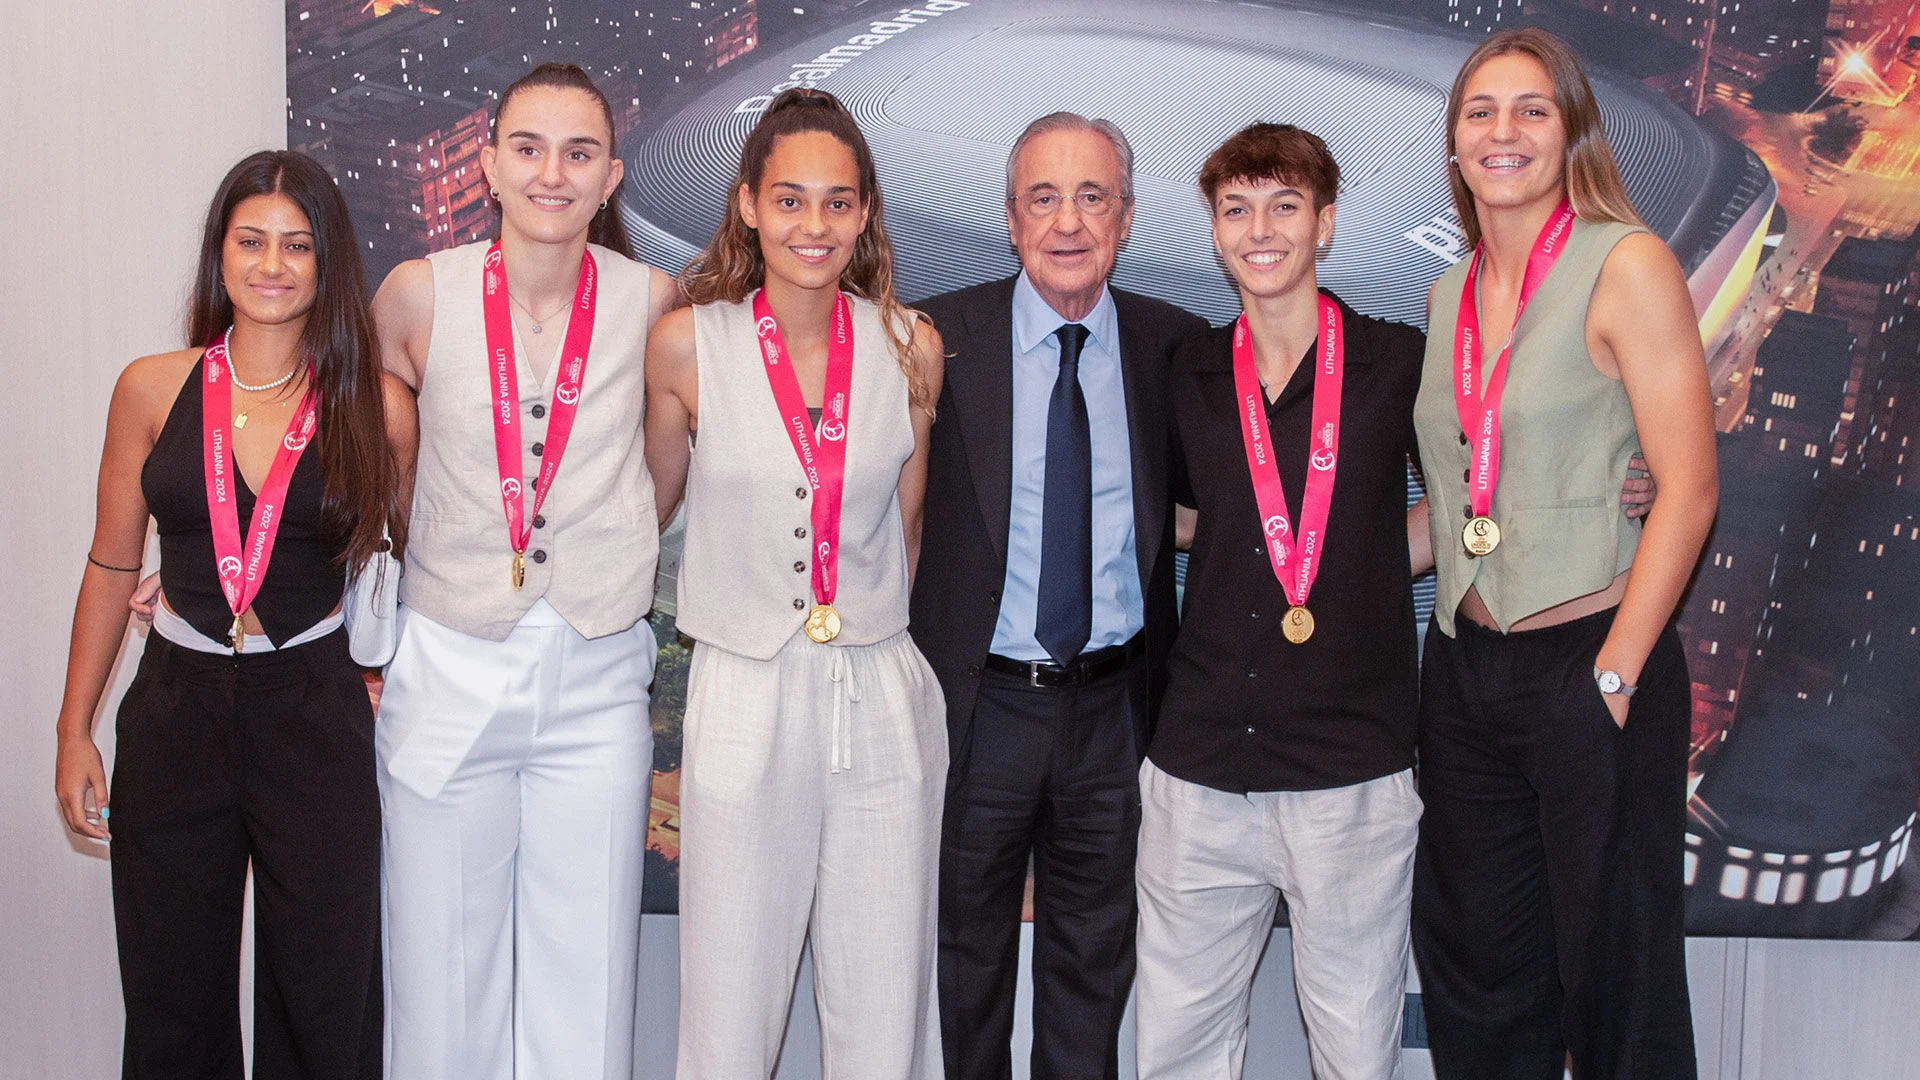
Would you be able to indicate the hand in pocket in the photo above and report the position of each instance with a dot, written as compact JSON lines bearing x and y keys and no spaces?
{"x":1617,"y":706}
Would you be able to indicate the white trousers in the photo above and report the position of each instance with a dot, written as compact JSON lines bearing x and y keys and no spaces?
{"x":810,"y":800}
{"x":513,"y":781}
{"x":1212,"y":865}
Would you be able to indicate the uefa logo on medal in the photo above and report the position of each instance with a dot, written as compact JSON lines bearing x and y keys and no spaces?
{"x":1480,"y":536}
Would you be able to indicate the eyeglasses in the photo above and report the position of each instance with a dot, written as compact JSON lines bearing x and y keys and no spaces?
{"x":1090,"y":202}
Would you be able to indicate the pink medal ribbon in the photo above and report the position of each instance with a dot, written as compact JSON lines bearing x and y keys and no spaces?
{"x":1478,"y":404}
{"x":571,"y":370}
{"x":242,"y":572}
{"x":1294,"y":566}
{"x":824,"y":464}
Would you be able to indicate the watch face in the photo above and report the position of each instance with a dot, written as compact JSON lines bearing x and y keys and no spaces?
{"x":1609,"y":682}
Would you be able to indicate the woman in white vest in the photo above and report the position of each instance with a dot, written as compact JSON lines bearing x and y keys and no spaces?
{"x":514,"y":741}
{"x":816,"y":752}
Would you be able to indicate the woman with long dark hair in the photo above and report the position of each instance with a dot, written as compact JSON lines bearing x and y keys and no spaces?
{"x":1555,"y":700}
{"x":514,"y":740}
{"x":815,"y":739}
{"x":272,"y":455}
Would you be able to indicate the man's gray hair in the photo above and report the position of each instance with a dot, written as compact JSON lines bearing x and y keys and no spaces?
{"x":1066,"y":121}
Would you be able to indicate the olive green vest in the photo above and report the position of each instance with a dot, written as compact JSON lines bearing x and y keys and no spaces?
{"x":1566,"y":433}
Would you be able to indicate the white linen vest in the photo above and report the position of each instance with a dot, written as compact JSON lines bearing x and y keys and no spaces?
{"x":746,"y":572}
{"x":595,"y":545}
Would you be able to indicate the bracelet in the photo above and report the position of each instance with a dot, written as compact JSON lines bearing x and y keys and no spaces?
{"x":115,"y":569}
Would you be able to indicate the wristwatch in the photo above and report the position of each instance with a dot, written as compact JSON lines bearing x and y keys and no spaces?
{"x":1611,"y":683}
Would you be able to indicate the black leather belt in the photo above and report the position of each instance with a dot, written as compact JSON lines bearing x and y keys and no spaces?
{"x":1085,"y":668}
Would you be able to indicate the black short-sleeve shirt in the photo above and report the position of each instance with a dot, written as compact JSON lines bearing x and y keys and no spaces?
{"x":1246,"y":709}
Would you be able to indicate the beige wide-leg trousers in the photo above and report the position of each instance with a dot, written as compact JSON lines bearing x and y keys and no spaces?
{"x":810,"y":801}
{"x":1211,"y":869}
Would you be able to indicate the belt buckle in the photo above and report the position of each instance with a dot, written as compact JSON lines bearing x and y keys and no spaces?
{"x":1074,"y":674}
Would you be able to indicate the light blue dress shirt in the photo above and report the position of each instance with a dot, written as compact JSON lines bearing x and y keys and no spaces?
{"x":1118,"y":604}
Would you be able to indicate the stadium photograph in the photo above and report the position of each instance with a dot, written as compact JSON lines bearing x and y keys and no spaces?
{"x":1773,"y":149}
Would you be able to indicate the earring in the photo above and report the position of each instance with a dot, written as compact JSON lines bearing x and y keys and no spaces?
{"x":603,"y":204}
{"x":493,"y":193}
{"x":1453,"y":159}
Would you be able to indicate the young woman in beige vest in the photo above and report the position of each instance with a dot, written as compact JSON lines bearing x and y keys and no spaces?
{"x":1555,"y":700}
{"x":816,"y":752}
{"x":514,"y":741}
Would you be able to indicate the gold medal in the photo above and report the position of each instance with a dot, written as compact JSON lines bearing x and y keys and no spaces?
{"x":1297,"y":624}
{"x":823,"y":623}
{"x":519,"y":570}
{"x":1481,"y":535}
{"x":237,"y":637}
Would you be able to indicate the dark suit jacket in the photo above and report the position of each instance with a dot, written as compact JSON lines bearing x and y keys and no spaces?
{"x":963,"y":546}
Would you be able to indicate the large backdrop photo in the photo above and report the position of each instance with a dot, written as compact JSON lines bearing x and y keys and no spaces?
{"x":1772,"y":144}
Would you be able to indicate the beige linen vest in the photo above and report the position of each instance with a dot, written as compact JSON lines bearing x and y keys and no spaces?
{"x":746,"y":572}
{"x":1566,"y":432}
{"x":594,"y":547}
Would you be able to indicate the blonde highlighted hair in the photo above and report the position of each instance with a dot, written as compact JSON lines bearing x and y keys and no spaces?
{"x":733,"y":265}
{"x":1591,"y":176}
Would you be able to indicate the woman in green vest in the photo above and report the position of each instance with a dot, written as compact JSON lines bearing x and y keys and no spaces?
{"x":1555,"y":698}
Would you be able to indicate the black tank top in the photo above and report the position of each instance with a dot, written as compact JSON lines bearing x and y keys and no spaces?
{"x":303,"y":585}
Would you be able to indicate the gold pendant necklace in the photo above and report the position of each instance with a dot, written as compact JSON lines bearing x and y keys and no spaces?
{"x":240,"y":418}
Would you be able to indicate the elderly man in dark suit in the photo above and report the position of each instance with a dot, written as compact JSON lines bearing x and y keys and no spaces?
{"x":1045,"y":603}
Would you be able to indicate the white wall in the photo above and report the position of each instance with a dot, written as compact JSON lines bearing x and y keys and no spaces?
{"x":117,"y":119}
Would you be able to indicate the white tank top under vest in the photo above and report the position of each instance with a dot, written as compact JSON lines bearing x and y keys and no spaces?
{"x":595,"y":545}
{"x":746,"y":572}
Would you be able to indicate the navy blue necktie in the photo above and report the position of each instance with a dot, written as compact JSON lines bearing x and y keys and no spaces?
{"x":1064,"y":619}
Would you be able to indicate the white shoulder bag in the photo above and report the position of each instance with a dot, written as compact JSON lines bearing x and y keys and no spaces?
{"x":372,"y":607}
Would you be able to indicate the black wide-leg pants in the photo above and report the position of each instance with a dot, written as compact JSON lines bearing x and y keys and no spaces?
{"x":224,"y":761}
{"x":1547,"y":904}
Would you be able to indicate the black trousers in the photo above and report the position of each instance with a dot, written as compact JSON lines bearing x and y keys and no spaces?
{"x":1054,"y":774}
{"x":221,"y":762}
{"x":1547,"y":906}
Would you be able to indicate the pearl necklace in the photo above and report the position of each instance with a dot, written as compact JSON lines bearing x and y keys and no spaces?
{"x":233,"y":371}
